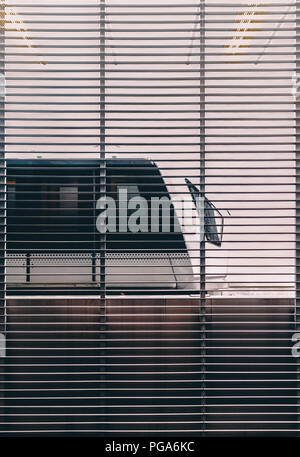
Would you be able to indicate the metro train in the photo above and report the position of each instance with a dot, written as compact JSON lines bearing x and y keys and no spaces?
{"x":53,"y":241}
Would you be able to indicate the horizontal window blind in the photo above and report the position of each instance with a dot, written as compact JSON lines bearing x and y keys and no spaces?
{"x":148,"y":196}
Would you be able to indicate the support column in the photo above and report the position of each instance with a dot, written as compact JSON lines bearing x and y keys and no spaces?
{"x":102,"y":180}
{"x":297,"y":303}
{"x":102,"y":191}
{"x":2,"y":222}
{"x":202,"y":190}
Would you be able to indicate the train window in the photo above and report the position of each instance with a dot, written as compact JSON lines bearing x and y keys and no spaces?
{"x":146,"y":184}
{"x":11,"y":194}
{"x":49,"y":209}
{"x":68,"y":198}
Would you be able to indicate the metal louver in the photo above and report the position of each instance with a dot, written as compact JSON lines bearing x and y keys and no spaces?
{"x":148,"y":219}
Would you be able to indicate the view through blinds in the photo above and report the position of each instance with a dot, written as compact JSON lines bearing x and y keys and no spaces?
{"x":148,"y":218}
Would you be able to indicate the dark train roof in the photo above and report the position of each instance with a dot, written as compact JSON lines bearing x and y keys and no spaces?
{"x":87,"y":162}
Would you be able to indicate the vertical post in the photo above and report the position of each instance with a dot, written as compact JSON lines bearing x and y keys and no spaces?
{"x":202,"y":190}
{"x":2,"y":219}
{"x":297,"y":301}
{"x":102,"y":181}
{"x":102,"y":191}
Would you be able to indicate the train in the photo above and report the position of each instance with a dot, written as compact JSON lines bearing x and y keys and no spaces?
{"x":53,"y":238}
